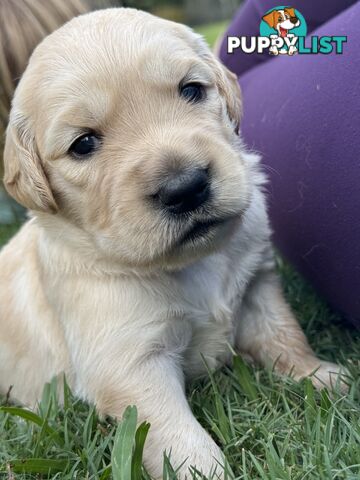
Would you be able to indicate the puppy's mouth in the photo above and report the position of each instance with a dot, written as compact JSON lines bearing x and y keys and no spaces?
{"x":202,"y":229}
{"x":283,"y":32}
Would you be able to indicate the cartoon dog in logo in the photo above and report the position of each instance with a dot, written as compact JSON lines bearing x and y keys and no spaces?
{"x":282,"y":21}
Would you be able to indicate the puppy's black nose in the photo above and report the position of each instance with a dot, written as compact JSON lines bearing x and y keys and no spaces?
{"x":294,"y":20}
{"x":184,"y":192}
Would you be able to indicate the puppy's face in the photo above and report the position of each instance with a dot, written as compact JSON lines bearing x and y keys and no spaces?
{"x":282,"y":20}
{"x":126,"y":126}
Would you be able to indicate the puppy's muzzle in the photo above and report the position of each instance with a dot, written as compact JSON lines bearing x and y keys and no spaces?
{"x":184,"y":191}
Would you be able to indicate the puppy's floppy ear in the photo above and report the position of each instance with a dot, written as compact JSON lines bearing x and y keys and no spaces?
{"x":24,"y":178}
{"x":271,"y":18}
{"x":290,"y":11}
{"x":228,"y":87}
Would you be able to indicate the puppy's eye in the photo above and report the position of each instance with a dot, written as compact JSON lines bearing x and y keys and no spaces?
{"x":192,"y":92}
{"x":84,"y":145}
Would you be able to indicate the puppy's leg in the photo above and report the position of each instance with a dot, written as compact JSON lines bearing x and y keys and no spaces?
{"x":155,"y":385}
{"x":268,"y":332}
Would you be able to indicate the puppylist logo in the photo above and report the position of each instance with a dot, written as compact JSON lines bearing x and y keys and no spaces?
{"x":282,"y":32}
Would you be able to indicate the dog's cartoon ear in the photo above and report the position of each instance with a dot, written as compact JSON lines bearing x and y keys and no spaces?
{"x":290,"y":11}
{"x":24,"y":178}
{"x":271,"y":18}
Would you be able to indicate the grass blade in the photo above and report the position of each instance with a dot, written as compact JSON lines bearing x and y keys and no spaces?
{"x":122,"y":453}
{"x":36,"y":465}
{"x":245,"y":378}
{"x":29,"y":417}
{"x":140,"y":439}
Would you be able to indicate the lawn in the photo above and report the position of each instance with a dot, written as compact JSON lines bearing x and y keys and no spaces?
{"x":270,"y":428}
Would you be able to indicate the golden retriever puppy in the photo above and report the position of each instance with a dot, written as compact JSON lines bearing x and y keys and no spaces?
{"x":149,"y":244}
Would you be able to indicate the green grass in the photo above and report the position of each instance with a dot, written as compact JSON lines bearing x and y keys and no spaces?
{"x":6,"y":232}
{"x":270,"y":428}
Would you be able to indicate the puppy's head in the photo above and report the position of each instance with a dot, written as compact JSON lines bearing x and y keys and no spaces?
{"x":282,"y":20}
{"x":126,"y":126}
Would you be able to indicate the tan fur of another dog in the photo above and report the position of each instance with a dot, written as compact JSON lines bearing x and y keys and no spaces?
{"x":94,"y":285}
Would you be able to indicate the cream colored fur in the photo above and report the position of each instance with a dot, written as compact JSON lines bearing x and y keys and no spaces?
{"x":95,"y":285}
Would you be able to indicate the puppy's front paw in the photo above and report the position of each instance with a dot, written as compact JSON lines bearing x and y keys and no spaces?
{"x":189,"y":450}
{"x":203,"y":462}
{"x":331,"y":376}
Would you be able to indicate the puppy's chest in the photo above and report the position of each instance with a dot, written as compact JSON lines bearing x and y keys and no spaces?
{"x":207,"y":296}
